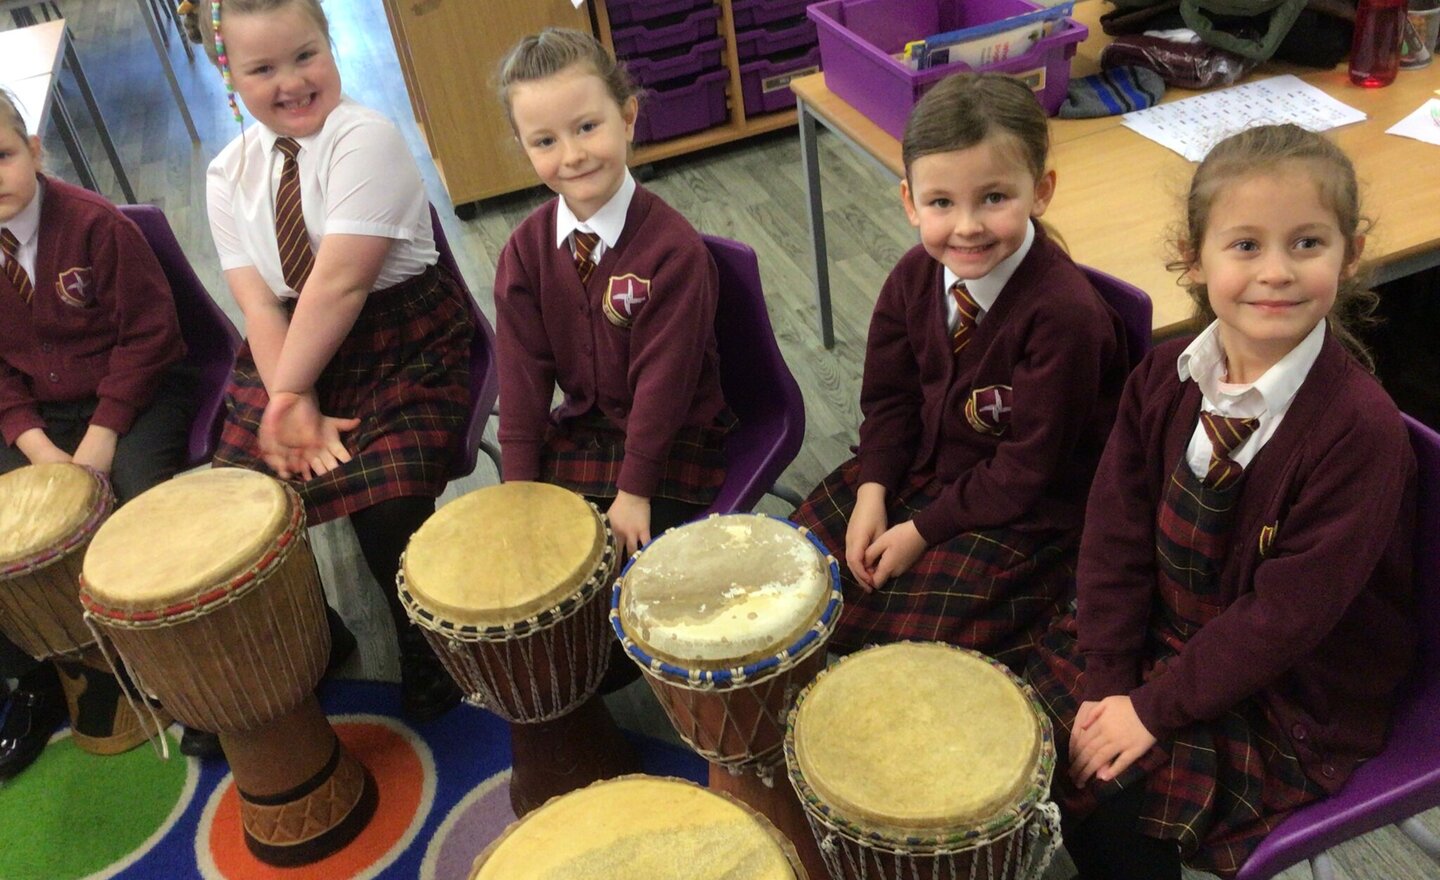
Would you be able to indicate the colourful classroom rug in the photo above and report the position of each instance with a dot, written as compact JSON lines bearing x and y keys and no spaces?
{"x":444,"y":795}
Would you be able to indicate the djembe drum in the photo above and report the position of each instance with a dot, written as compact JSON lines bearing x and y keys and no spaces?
{"x":509,"y":585}
{"x":640,"y":827}
{"x":924,"y":761}
{"x":728,"y":618}
{"x":207,"y":588}
{"x":48,"y":515}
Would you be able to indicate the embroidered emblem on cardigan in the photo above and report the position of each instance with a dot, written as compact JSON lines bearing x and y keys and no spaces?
{"x":988,"y":409}
{"x":76,"y":287}
{"x":624,"y":297}
{"x":1267,"y":538}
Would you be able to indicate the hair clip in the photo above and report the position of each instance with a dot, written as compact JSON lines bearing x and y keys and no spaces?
{"x":224,"y":59}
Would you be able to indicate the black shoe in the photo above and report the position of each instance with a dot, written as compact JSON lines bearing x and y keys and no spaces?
{"x":37,"y":707}
{"x":200,"y":744}
{"x":426,"y":690}
{"x":342,"y":641}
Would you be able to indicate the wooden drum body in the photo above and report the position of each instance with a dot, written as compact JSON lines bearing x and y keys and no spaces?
{"x":924,"y":761}
{"x":728,"y":618}
{"x":640,"y":827}
{"x":48,"y":515}
{"x":208,"y":590}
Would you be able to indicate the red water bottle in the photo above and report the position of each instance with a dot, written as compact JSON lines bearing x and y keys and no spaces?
{"x":1375,"y":51}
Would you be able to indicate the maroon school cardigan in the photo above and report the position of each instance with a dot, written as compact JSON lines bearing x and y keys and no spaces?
{"x":1318,"y":625}
{"x":651,"y":379}
{"x":112,"y":333}
{"x":1049,"y":337}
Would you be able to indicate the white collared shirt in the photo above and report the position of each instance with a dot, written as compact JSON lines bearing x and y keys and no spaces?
{"x":608,"y":222}
{"x":357,"y":177}
{"x":25,"y":226}
{"x":1267,"y":398}
{"x":986,"y":290}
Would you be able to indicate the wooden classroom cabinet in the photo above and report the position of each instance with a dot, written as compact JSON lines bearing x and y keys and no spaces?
{"x":450,"y":51}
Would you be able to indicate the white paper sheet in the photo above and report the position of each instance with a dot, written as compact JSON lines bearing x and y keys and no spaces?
{"x":1192,"y":126}
{"x":1421,"y":124}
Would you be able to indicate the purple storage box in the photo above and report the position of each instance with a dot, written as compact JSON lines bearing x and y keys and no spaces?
{"x":626,"y":11}
{"x":688,"y":106}
{"x":650,"y":71}
{"x":859,"y":40}
{"x":700,"y":24}
{"x":766,"y":83}
{"x":781,"y":36}
{"x":752,"y":13}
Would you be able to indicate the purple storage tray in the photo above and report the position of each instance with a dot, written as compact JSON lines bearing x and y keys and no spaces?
{"x":859,"y":39}
{"x":780,"y":36}
{"x":703,"y":56}
{"x":752,"y":13}
{"x":766,"y":83}
{"x":627,"y":11}
{"x":699,"y":24}
{"x":670,"y":112}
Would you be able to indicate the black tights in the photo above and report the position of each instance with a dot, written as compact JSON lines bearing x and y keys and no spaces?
{"x":1108,"y":844}
{"x":383,"y":531}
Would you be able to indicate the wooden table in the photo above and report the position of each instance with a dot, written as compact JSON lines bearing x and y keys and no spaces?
{"x":1119,"y":194}
{"x":30,"y":62}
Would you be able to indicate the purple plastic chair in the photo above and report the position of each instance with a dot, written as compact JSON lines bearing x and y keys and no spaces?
{"x":1131,"y":304}
{"x":484,"y":378}
{"x":757,"y":382}
{"x":210,"y":338}
{"x":1404,"y":779}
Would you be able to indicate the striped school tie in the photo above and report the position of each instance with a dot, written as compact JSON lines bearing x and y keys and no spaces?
{"x":296,"y":256}
{"x":966,"y":320}
{"x":16,"y":272}
{"x":1225,"y":435}
{"x":584,"y":247}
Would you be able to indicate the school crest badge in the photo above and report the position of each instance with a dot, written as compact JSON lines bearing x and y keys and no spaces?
{"x":76,"y":287}
{"x":624,"y":297}
{"x":988,"y":409}
{"x":1267,"y":538}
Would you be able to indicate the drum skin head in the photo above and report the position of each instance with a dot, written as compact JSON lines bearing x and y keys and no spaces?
{"x":916,"y":737}
{"x":504,"y":553}
{"x":637,"y":827}
{"x":184,"y":536}
{"x":44,"y":505}
{"x":724,"y":591}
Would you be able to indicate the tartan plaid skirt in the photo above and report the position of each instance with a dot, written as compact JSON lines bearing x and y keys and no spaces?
{"x":584,"y":454}
{"x":404,"y":372}
{"x":993,"y":591}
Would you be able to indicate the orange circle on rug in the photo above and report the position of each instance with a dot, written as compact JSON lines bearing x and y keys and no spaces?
{"x":402,"y":776}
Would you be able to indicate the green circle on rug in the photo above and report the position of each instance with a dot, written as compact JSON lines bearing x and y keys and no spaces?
{"x":72,"y":813}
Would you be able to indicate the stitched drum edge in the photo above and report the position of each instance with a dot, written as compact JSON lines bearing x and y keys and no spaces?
{"x":291,"y":537}
{"x":471,"y":634}
{"x":82,"y":533}
{"x":813,"y":639}
{"x":999,"y":827}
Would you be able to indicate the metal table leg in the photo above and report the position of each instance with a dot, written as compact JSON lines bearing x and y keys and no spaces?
{"x":169,"y":71}
{"x":72,"y":60}
{"x":810,"y":160}
{"x":66,"y":126}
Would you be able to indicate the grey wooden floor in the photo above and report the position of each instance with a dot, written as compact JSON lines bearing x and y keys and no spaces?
{"x":752,"y":192}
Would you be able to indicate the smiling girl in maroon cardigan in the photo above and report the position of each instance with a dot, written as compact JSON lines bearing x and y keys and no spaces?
{"x":1244,"y":597}
{"x":992,"y":373}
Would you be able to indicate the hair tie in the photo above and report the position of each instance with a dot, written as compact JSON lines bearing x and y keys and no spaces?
{"x":223,"y":59}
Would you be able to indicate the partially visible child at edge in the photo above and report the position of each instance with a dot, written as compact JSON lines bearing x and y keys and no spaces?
{"x":353,"y":381}
{"x":609,"y":292}
{"x":90,"y":372}
{"x":992,"y":373}
{"x":1245,"y":604}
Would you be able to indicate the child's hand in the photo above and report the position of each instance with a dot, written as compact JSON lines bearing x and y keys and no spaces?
{"x":630,"y":521}
{"x":97,"y":448}
{"x":894,"y":552}
{"x":36,"y":446}
{"x":867,"y":522}
{"x":1108,"y":738}
{"x":297,"y":440}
